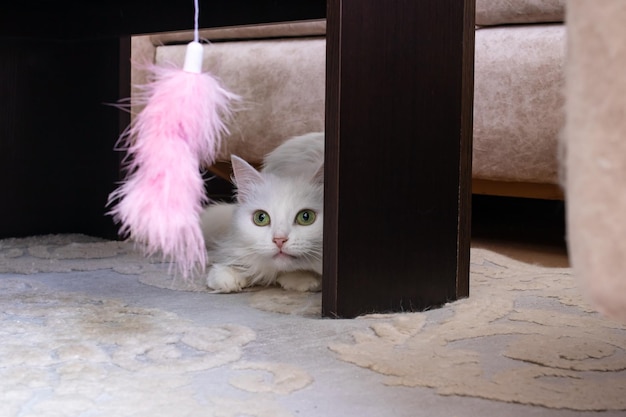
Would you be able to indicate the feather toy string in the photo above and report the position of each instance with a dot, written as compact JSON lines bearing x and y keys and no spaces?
{"x":158,"y":205}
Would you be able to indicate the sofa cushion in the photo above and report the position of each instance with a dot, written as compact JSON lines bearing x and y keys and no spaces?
{"x":518,"y":102}
{"x":499,"y":12}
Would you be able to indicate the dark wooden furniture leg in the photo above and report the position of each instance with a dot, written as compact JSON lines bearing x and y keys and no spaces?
{"x":399,"y":95}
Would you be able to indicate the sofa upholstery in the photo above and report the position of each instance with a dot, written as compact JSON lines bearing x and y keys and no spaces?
{"x":518,"y":100}
{"x":279,"y":70}
{"x":595,"y":161}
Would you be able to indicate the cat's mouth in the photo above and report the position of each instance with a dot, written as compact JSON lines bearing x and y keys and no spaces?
{"x":284,"y":255}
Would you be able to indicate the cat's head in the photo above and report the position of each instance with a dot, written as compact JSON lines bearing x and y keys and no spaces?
{"x":280,"y":218}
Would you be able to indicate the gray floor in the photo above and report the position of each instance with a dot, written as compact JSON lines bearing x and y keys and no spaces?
{"x":338,"y":388}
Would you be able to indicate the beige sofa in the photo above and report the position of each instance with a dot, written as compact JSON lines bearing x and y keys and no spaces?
{"x":279,"y":71}
{"x":595,"y":140}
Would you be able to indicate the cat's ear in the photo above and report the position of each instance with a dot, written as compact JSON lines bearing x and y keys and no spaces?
{"x":318,"y":177}
{"x":245,"y":177}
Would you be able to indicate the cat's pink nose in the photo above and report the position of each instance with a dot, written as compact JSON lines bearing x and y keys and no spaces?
{"x":280,"y":241}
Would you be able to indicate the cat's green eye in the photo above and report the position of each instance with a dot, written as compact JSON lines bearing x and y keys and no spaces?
{"x":305,"y":217}
{"x":261,"y":218}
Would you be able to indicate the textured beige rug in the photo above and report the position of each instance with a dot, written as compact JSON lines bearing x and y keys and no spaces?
{"x":90,"y":327}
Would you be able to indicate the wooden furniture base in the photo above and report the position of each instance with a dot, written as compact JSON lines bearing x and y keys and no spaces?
{"x":517,"y":189}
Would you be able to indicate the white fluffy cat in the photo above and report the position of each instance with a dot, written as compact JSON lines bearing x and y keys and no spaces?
{"x":273,"y":233}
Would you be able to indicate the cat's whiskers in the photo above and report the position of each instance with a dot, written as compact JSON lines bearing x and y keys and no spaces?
{"x":312,"y":256}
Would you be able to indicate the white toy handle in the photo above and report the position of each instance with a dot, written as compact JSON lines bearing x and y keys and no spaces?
{"x":193,"y":55}
{"x":193,"y":58}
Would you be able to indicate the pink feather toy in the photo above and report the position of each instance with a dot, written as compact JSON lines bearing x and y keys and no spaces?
{"x":159,"y":203}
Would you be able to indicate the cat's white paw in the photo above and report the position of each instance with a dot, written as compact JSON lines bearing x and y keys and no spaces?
{"x":300,"y":281}
{"x":224,"y":279}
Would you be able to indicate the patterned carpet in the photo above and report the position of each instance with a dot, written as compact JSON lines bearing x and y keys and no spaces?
{"x":91,"y":328}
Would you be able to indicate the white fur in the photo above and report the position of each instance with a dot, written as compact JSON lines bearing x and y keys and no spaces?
{"x":244,"y":254}
{"x":299,"y":281}
{"x":299,"y":156}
